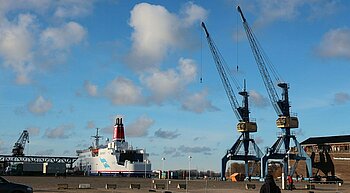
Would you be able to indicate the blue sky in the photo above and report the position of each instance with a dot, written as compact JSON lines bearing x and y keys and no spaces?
{"x":69,"y":66}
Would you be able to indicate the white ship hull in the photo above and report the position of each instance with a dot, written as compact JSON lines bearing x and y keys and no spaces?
{"x":107,"y":164}
{"x":115,"y":158}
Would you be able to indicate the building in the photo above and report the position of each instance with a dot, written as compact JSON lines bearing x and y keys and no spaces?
{"x":330,"y":155}
{"x":333,"y":144}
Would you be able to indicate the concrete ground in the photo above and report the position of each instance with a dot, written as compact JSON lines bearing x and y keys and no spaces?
{"x":50,"y":185}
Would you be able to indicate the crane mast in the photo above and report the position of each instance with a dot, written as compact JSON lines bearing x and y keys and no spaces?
{"x":282,"y":107}
{"x":245,"y":126}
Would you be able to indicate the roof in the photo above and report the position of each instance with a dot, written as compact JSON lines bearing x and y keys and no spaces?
{"x":327,"y":140}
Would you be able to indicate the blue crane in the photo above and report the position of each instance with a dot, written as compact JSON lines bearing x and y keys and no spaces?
{"x":245,"y":125}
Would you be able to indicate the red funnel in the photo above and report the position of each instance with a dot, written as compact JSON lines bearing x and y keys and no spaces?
{"x":118,"y":134}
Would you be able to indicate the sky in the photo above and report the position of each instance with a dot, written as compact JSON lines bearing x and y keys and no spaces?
{"x":70,"y":66}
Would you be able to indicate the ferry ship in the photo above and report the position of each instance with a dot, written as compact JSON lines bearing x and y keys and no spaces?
{"x":116,"y":158}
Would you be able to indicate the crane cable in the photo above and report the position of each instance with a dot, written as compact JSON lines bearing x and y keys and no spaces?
{"x":201,"y":70}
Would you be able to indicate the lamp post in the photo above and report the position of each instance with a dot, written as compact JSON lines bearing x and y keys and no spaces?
{"x":288,"y":153}
{"x":189,"y":172}
{"x":163,"y":159}
{"x":189,"y":167}
{"x":145,"y":162}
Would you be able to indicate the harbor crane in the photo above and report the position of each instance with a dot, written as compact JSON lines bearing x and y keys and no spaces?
{"x":18,"y":148}
{"x":245,"y":126}
{"x":281,"y":149}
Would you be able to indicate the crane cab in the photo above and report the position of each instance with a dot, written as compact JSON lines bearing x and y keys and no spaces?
{"x":246,"y":127}
{"x":287,"y":122}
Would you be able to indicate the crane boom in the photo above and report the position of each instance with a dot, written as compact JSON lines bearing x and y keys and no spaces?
{"x":281,"y":106}
{"x":18,"y":148}
{"x":245,"y":126}
{"x":223,"y":75}
{"x":260,"y":60}
{"x":242,"y":113}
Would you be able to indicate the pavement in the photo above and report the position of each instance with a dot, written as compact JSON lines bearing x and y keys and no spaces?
{"x":97,"y":184}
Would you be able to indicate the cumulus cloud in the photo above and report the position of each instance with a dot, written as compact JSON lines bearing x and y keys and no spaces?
{"x":16,"y":44}
{"x":33,"y":131}
{"x":73,"y":8}
{"x":62,"y":37}
{"x":122,"y":91}
{"x":139,"y":127}
{"x":90,"y":88}
{"x":341,"y":98}
{"x":166,"y":134}
{"x":258,"y":99}
{"x":26,"y":47}
{"x":270,"y":10}
{"x":40,"y":106}
{"x":171,"y":83}
{"x":335,"y":44}
{"x":192,"y":14}
{"x":156,"y":31}
{"x":198,"y":103}
{"x":60,"y":132}
{"x":278,"y":10}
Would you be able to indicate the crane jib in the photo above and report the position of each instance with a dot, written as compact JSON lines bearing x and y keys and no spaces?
{"x":223,"y":76}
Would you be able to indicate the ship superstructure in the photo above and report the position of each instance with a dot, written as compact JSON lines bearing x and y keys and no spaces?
{"x":115,"y":158}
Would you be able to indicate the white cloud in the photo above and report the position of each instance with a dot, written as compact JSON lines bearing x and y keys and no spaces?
{"x":193,"y":14}
{"x":60,"y":132}
{"x":40,"y":105}
{"x":16,"y":44}
{"x":63,"y":37}
{"x":169,"y":84}
{"x":122,"y":91}
{"x":163,"y":85}
{"x":25,"y":46}
{"x":33,"y":131}
{"x":258,"y":99}
{"x":90,"y":88}
{"x":157,"y":31}
{"x":335,"y":44}
{"x":29,"y":5}
{"x":269,"y":11}
{"x":198,"y":103}
{"x":73,"y":8}
{"x":139,"y":127}
{"x":272,"y":10}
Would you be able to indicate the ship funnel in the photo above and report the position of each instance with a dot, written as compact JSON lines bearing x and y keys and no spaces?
{"x":118,"y":134}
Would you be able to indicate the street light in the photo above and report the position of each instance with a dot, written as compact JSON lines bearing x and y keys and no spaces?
{"x":145,"y":161}
{"x":163,"y":159}
{"x":189,"y":172}
{"x":288,"y":153}
{"x":189,"y":167}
